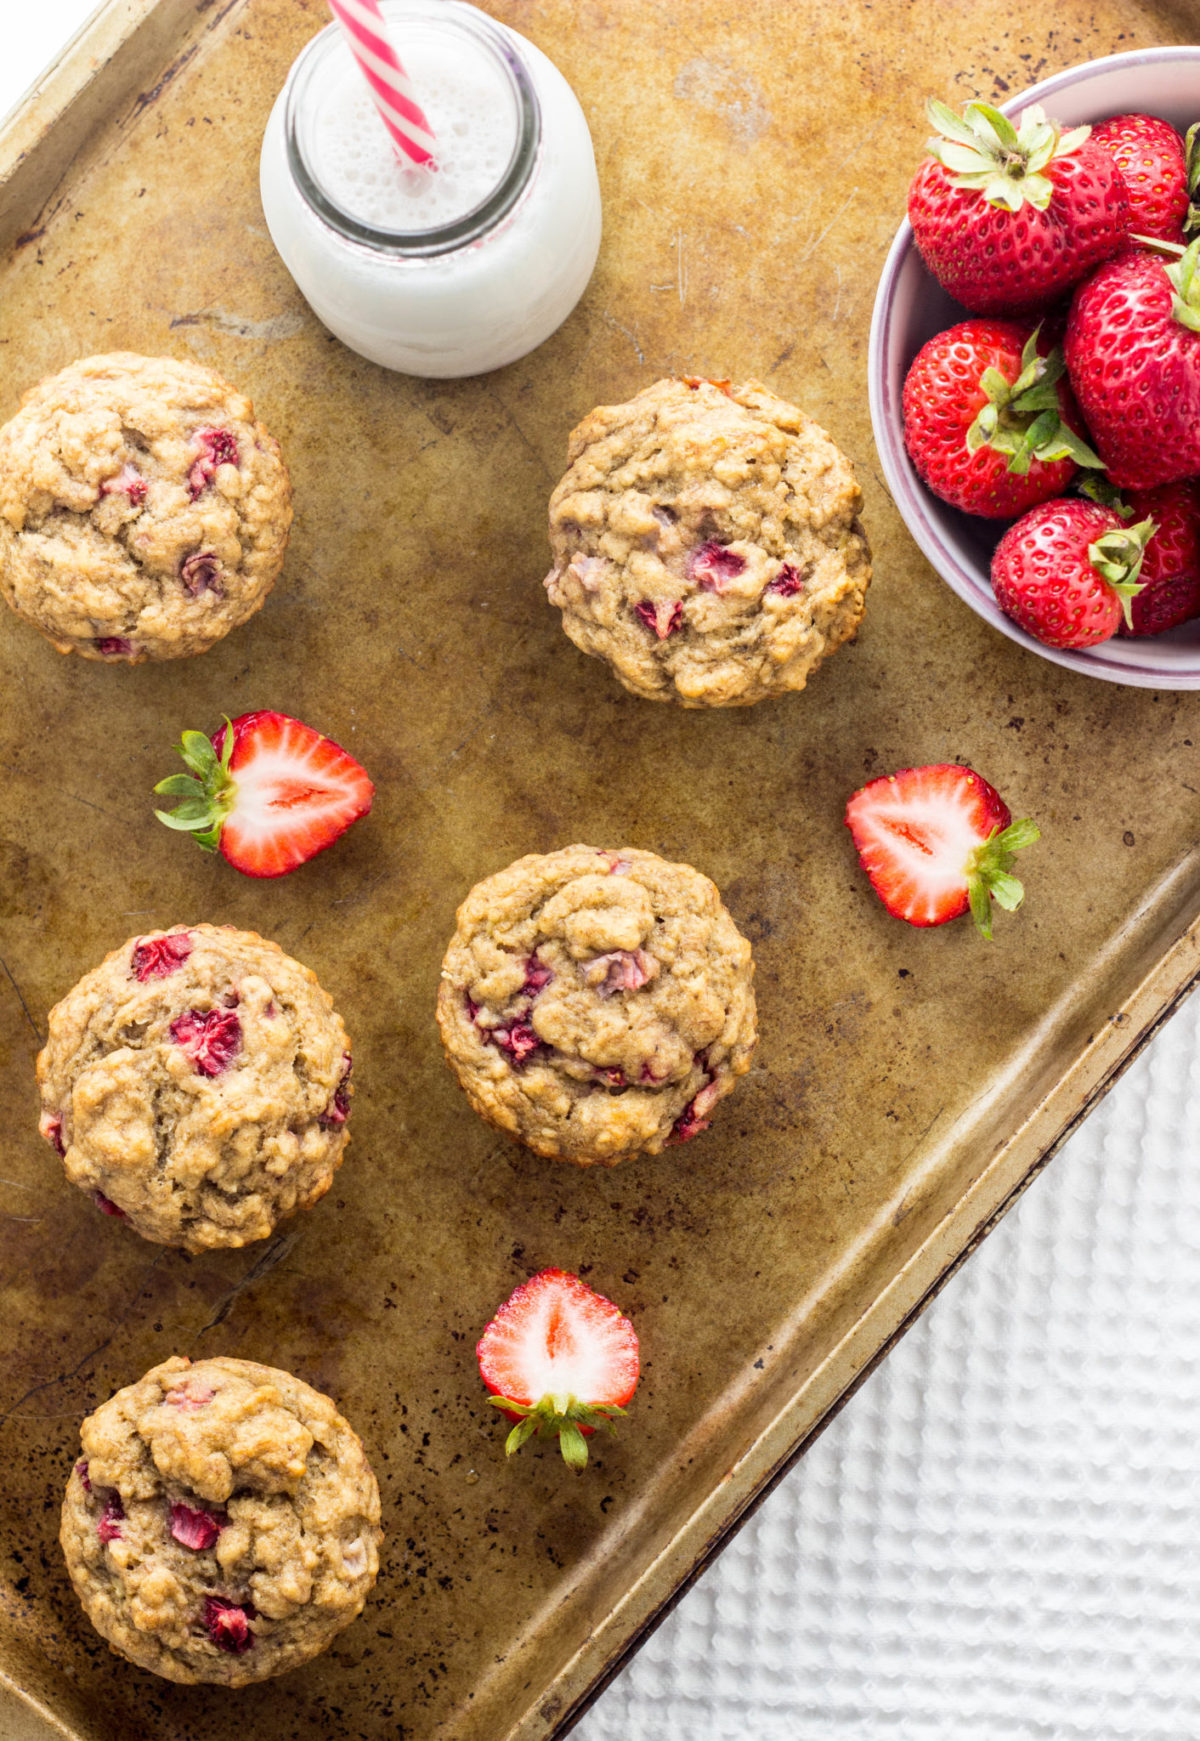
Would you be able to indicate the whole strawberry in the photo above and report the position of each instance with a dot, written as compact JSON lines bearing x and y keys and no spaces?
{"x":1068,"y":571}
{"x":990,"y":424}
{"x":1170,"y":574}
{"x":1150,"y":156}
{"x":1133,"y":353}
{"x":1006,"y":217}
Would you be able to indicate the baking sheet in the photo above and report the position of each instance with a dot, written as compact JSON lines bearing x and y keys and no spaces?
{"x":753,"y":167}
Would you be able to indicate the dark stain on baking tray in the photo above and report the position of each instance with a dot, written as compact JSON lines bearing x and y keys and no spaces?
{"x":767,"y":1262}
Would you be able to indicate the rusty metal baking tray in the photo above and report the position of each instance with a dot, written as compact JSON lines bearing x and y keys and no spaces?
{"x":753,"y":161}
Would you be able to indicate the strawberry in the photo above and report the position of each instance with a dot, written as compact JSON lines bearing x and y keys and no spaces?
{"x":1133,"y":353}
{"x":1006,"y":218}
{"x":559,"y":1360}
{"x":989,"y":422}
{"x":1150,"y":156}
{"x":1171,"y":571}
{"x":1170,"y":574}
{"x":266,"y":792}
{"x":1068,"y":571}
{"x":197,"y":1529}
{"x":937,"y":840}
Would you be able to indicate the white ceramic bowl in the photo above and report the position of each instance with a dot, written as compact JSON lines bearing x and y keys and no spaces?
{"x":910,"y":307}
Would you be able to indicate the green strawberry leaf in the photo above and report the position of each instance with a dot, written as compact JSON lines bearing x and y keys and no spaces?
{"x":994,"y":127}
{"x":1106,"y":493}
{"x":989,"y":872}
{"x":1018,"y":835}
{"x":1006,"y":891}
{"x":179,"y":786}
{"x":942,"y":116}
{"x":523,"y":1430}
{"x":1192,"y":151}
{"x":983,"y":151}
{"x":1023,"y":418}
{"x":208,"y":792}
{"x":1185,"y":305}
{"x":1117,"y":557}
{"x":981,"y":908}
{"x":573,"y":1446}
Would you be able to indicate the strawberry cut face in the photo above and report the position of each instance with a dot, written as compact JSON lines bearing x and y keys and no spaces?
{"x":555,"y":1337}
{"x":296,"y":793}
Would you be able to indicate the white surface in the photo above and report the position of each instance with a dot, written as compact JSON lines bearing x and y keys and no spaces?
{"x":31,"y":37}
{"x":997,"y":1540}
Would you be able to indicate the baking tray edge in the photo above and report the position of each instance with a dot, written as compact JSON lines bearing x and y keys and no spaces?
{"x":128,"y":50}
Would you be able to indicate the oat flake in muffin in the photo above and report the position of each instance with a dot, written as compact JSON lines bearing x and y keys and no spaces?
{"x":597,"y":1005}
{"x":222,"y":1523}
{"x":143,"y":511}
{"x":707,"y":543}
{"x":197,"y":1085}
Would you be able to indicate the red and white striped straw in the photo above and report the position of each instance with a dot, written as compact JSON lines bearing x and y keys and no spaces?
{"x":389,"y":84}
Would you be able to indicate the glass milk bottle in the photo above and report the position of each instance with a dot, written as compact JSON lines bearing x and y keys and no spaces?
{"x":442,"y":272}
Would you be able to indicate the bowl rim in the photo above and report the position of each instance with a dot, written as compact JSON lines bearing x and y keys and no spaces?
{"x":909,"y":493}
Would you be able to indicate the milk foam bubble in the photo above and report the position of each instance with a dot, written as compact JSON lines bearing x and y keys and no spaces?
{"x":471,"y":108}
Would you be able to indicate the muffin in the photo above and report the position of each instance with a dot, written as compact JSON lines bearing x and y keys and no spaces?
{"x":143,"y":511}
{"x":597,"y":1005}
{"x":707,"y":544}
{"x":197,"y":1084}
{"x":223,"y":1522}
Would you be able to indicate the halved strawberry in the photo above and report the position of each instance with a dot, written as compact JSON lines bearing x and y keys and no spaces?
{"x":559,"y":1359}
{"x":266,"y":792}
{"x":937,"y":840}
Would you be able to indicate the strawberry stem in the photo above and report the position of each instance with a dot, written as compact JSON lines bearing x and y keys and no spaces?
{"x":983,"y":150}
{"x":1022,"y":418}
{"x":1192,"y":150}
{"x":558,"y":1417}
{"x":207,"y":792}
{"x":1185,"y":281}
{"x":1117,"y":557}
{"x":1105,"y":493}
{"x":989,"y":872}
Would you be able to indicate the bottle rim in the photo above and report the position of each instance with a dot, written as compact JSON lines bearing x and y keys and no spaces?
{"x":482,"y":218}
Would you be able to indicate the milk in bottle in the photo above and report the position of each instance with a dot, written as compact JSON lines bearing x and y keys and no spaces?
{"x":443,"y":272}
